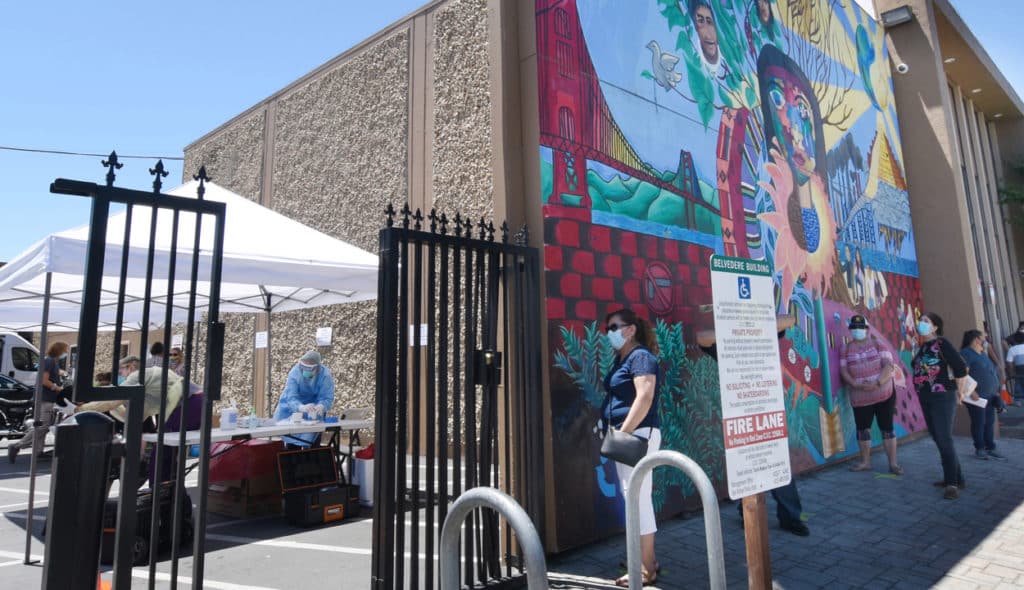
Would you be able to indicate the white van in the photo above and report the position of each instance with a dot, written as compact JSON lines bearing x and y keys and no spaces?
{"x":18,"y":358}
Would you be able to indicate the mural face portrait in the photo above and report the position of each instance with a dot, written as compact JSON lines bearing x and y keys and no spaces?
{"x":792,"y":120}
{"x":707,"y":32}
{"x":764,"y":11}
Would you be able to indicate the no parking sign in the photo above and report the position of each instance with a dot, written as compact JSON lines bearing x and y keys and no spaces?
{"x":750,"y":376}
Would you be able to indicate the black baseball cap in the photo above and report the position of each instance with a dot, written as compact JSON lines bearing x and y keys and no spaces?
{"x":858,"y":321}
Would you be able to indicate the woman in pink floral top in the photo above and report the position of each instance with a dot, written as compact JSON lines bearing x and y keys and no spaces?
{"x":866,"y":368}
{"x":939,"y":376}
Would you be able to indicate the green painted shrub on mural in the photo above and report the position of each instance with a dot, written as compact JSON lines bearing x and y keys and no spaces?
{"x":689,"y":400}
{"x":691,"y":413}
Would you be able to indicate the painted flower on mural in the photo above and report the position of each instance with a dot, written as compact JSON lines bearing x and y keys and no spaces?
{"x":795,"y":258}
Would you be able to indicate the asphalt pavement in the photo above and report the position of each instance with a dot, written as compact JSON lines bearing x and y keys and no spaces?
{"x":868,"y":530}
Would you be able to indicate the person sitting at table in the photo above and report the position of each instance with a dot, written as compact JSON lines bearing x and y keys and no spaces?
{"x":310,"y":386}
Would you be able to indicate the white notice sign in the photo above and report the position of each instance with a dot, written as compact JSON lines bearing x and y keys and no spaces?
{"x":176,"y":340}
{"x":750,"y":376}
{"x":261,"y":339}
{"x":324,"y":336}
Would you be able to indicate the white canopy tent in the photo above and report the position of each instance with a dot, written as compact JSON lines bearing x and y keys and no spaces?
{"x":270,"y":263}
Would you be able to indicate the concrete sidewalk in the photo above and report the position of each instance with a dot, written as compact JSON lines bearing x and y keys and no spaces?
{"x":868,"y":530}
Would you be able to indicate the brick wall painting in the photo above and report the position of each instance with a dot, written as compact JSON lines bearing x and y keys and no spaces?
{"x":673,"y":130}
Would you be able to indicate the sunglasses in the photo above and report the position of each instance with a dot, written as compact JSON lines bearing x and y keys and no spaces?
{"x":614,"y":327}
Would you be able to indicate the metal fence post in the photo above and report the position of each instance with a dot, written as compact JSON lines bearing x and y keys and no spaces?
{"x":712,"y":519}
{"x":533,"y":551}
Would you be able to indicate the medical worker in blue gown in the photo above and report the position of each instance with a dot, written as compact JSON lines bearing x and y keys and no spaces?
{"x":310,"y":389}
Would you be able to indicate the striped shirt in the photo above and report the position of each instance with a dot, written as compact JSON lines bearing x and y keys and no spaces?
{"x":864,"y":362}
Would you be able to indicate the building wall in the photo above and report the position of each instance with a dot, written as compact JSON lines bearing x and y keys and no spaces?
{"x":655,"y":151}
{"x":403,"y":117}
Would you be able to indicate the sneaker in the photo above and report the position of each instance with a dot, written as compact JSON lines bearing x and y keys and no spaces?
{"x":951,"y":493}
{"x":992,"y":453}
{"x":797,"y":527}
{"x":12,"y":452}
{"x":942,"y":483}
{"x":981,"y":454}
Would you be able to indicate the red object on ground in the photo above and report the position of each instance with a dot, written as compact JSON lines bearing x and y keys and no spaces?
{"x":366,"y":453}
{"x":255,"y":458}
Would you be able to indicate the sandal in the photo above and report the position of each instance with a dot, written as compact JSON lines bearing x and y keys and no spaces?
{"x":646,"y":579}
{"x":896,"y":469}
{"x":861,"y":467}
{"x":657,"y":566}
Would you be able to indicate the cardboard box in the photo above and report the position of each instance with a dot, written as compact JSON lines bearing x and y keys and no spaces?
{"x":247,"y":498}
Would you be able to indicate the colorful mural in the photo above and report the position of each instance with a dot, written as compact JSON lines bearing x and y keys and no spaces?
{"x":673,"y":130}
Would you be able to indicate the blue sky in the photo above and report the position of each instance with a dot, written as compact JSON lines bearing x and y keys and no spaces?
{"x":90,"y":77}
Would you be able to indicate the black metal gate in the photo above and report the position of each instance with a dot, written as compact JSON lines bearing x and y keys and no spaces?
{"x":173,"y":294}
{"x":458,"y":395}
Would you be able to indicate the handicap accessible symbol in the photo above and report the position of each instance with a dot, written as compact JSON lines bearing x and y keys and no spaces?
{"x":744,"y":286}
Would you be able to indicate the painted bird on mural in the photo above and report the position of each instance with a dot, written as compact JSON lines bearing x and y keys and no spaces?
{"x":663,"y":67}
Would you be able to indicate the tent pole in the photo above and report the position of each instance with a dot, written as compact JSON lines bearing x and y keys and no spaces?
{"x":270,"y":411}
{"x":36,"y":424}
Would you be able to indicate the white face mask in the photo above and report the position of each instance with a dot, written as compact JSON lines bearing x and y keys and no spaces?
{"x":616,"y":339}
{"x":859,"y":333}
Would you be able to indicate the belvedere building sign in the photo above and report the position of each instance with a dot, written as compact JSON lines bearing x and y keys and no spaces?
{"x":749,"y":371}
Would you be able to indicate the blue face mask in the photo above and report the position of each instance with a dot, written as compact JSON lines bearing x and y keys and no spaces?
{"x":63,"y":356}
{"x":120,"y":379}
{"x":616,"y":339}
{"x":859,"y":333}
{"x":924,"y":328}
{"x":308,"y":373}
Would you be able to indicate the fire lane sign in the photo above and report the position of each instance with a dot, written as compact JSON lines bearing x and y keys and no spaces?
{"x":750,"y":376}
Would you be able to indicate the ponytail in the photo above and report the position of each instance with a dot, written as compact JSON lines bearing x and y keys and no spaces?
{"x":645,"y":335}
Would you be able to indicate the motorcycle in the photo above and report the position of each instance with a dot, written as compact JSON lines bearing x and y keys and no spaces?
{"x":16,"y":402}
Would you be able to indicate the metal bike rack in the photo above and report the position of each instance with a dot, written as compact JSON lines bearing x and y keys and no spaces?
{"x":533,"y":551}
{"x":712,"y":520}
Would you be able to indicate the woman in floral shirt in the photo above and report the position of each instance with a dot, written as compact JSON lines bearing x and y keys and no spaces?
{"x":939,"y":374}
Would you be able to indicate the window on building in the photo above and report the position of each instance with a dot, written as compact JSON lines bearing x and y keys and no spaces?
{"x":566,"y":124}
{"x":562,"y":24}
{"x":566,"y":62}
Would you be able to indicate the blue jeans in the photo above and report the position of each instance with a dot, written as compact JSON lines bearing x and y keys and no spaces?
{"x":787,"y":503}
{"x":939,"y":409}
{"x":983,"y":422}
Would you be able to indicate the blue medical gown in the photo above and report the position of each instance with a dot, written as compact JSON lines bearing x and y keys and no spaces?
{"x":299,"y":390}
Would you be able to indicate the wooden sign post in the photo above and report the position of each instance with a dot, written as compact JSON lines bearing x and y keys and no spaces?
{"x":755,"y":529}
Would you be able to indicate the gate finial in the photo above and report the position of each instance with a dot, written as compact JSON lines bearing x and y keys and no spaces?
{"x":504,"y":232}
{"x":490,"y":231}
{"x":482,"y":224}
{"x":418,"y":219}
{"x":458,"y":225}
{"x":522,"y":237}
{"x":467,"y":228}
{"x":390,"y":212}
{"x":158,"y":172}
{"x":405,"y":215}
{"x":444,"y":224}
{"x":202,"y":177}
{"x":112,"y":163}
{"x":433,"y":220}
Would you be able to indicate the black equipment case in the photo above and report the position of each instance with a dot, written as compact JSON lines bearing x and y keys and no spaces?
{"x":143,"y":510}
{"x":309,"y":481}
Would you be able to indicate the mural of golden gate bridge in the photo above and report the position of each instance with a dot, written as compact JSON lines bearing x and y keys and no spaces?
{"x":763,"y":129}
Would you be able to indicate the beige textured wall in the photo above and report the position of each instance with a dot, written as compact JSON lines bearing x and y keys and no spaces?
{"x":340,"y":153}
{"x":234,"y":160}
{"x":463,"y":178}
{"x":233,"y":157}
